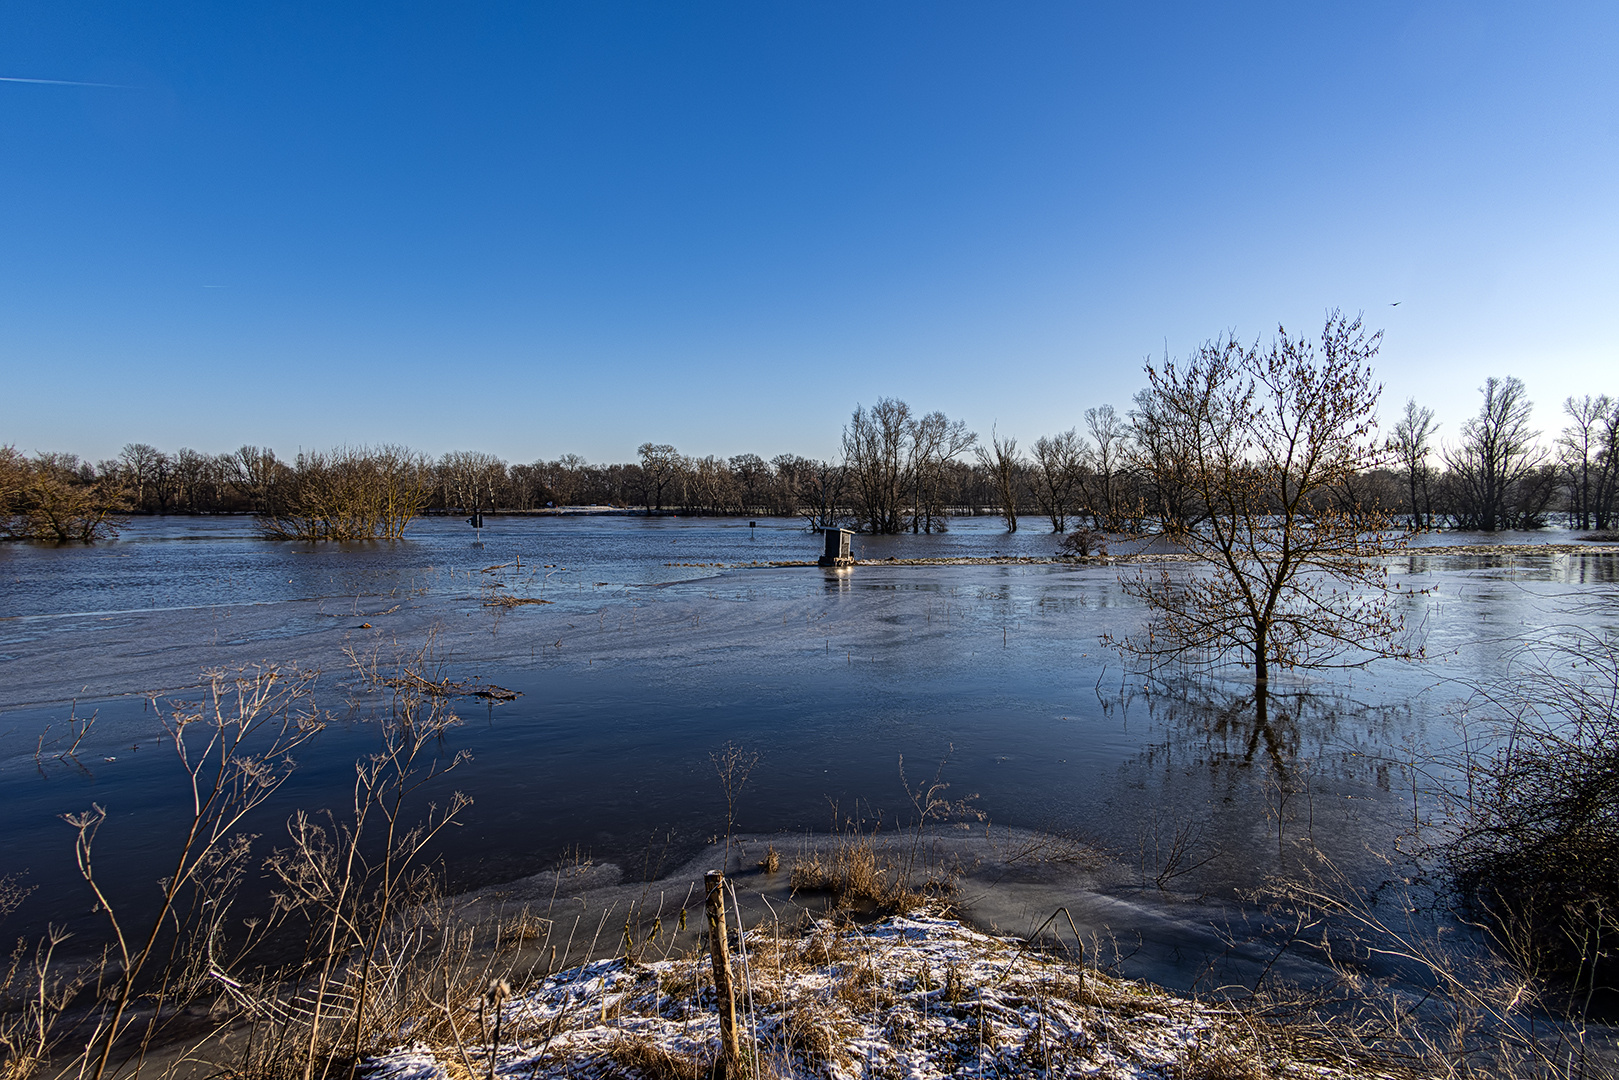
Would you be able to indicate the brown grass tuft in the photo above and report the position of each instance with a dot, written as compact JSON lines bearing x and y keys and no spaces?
{"x":861,"y":879}
{"x":644,"y":1059}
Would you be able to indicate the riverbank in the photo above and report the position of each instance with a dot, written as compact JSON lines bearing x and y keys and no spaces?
{"x":919,"y":995}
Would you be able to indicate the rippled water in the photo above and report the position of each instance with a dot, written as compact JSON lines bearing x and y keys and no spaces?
{"x":642,"y":667}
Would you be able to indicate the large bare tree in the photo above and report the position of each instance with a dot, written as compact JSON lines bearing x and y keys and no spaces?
{"x":660,"y":466}
{"x":1287,"y":579}
{"x":403,"y":482}
{"x":819,"y":492}
{"x":1412,"y":443}
{"x":936,"y":442}
{"x":1005,"y":467}
{"x":1109,"y":439}
{"x":896,"y":464}
{"x":1497,"y":459}
{"x":146,"y":472}
{"x":876,"y":451}
{"x":1056,"y":475}
{"x":565,"y":476}
{"x":1161,"y":455}
{"x":1586,"y":458}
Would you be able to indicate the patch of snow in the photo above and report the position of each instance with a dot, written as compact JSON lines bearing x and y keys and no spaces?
{"x":921,"y":996}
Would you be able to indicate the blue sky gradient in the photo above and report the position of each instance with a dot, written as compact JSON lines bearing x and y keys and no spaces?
{"x":541,"y":229}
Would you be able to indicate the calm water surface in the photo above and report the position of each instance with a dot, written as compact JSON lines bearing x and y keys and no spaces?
{"x":644,"y":665}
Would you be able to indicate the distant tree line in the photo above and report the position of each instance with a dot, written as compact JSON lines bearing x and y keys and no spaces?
{"x":900,"y":470}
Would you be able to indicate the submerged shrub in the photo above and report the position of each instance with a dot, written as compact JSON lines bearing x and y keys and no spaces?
{"x":58,"y":498}
{"x":346,"y":494}
{"x":1084,"y":542}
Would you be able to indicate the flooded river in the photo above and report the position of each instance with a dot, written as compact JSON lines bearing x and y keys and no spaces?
{"x":648,"y":659}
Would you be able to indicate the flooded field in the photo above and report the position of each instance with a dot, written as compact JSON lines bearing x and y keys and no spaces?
{"x":647,"y":659}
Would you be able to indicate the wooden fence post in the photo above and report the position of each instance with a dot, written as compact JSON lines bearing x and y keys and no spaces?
{"x":720,"y":951}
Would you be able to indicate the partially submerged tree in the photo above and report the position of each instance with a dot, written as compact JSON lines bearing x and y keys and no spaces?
{"x":350,"y":493}
{"x":1586,"y":453}
{"x":875,"y":452}
{"x":936,"y":443}
{"x":1162,"y":458}
{"x":895,"y":464}
{"x":57,"y":498}
{"x":1106,"y":475}
{"x":820,"y":488}
{"x":1005,"y":466}
{"x":13,"y":481}
{"x":1494,"y":468}
{"x":1412,"y":443}
{"x":1057,"y":474}
{"x":1287,"y":578}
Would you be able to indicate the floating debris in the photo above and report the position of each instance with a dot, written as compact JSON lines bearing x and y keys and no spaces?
{"x":450,"y":688}
{"x":503,"y":601}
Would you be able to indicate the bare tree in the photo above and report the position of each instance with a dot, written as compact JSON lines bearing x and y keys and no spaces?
{"x":254,"y":473}
{"x":710,"y":486}
{"x":1109,"y":438}
{"x":1581,"y":447}
{"x":565,"y":476}
{"x":1498,"y":456}
{"x":353,"y":493}
{"x":14,"y":477}
{"x":751,"y":477}
{"x":897,"y":464}
{"x":786,"y":477}
{"x":820,"y":493}
{"x":146,"y":469}
{"x":1605,"y":496}
{"x":1162,"y":456}
{"x":1005,"y":466}
{"x":875,"y":450}
{"x":470,"y":479}
{"x":935,"y":443}
{"x":660,"y":466}
{"x":197,"y":478}
{"x":526,"y":486}
{"x":1412,"y":444}
{"x":1284,"y":582}
{"x":1056,"y":475}
{"x":404,"y":483}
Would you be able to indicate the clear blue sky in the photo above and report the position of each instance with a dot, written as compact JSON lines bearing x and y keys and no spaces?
{"x":539,"y":229}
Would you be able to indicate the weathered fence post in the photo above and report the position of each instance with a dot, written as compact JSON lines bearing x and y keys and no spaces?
{"x":714,"y":883}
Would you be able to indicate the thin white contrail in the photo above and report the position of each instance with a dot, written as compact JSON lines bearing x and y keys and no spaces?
{"x":67,"y":82}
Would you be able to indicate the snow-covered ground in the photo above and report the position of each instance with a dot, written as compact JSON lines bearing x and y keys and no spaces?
{"x":918,"y":997}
